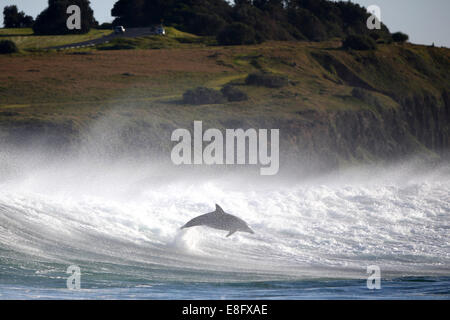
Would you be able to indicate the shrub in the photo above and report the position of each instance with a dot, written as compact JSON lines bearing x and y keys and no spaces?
{"x":117,"y":47}
{"x":375,"y":36}
{"x":233,"y":94}
{"x":359,"y":43}
{"x":202,"y":95}
{"x":119,"y":44}
{"x":7,"y":46}
{"x":236,"y":34}
{"x":267,"y":80}
{"x":400,"y":37}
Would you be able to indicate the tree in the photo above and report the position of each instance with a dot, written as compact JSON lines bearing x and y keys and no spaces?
{"x":12,"y":18}
{"x":205,"y":24}
{"x":130,"y":13}
{"x":53,"y":20}
{"x":308,"y":24}
{"x":26,"y":21}
{"x":399,"y":37}
{"x":236,"y":34}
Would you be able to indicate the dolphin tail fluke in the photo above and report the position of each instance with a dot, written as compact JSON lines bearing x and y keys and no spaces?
{"x":191,"y":223}
{"x":197,"y":221}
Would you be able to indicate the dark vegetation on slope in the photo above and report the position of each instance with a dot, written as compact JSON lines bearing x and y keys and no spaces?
{"x":359,"y":43}
{"x":202,"y":95}
{"x":8,"y":46}
{"x":251,"y":21}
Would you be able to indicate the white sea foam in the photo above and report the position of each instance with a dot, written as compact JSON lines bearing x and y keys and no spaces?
{"x":332,"y":226}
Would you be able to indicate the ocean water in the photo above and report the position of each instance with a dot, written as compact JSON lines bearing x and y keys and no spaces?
{"x":314,"y":238}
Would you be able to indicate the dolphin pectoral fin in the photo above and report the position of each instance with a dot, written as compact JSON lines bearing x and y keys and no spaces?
{"x":231,"y":232}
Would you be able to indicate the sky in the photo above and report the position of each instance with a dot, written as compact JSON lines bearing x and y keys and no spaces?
{"x":425,"y":21}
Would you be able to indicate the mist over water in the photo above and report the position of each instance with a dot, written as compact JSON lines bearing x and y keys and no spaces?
{"x":119,"y":220}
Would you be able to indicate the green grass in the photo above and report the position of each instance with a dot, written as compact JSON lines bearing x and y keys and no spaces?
{"x":16,"y":32}
{"x":390,"y":70}
{"x":147,"y":42}
{"x":171,"y":32}
{"x":26,"y":40}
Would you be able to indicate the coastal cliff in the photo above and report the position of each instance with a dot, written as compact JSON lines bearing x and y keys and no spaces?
{"x":339,"y":106}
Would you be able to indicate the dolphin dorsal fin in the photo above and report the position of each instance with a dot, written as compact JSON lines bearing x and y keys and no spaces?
{"x":219,"y":209}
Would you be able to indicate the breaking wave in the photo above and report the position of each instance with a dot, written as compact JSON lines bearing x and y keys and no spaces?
{"x":122,"y":220}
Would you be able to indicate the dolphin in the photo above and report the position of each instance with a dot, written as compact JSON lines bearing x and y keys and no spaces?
{"x":218,"y":219}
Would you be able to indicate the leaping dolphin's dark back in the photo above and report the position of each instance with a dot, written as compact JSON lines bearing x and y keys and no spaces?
{"x":221,"y":220}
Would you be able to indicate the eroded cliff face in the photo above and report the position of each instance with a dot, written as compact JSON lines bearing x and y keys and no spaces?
{"x":416,"y":122}
{"x":420,"y":122}
{"x":419,"y":126}
{"x":428,"y":119}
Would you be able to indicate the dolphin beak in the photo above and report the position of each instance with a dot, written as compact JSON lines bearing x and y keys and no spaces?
{"x":250,"y":231}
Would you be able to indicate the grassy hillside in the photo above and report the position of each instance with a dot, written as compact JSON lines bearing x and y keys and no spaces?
{"x":339,"y":106}
{"x":173,"y":39}
{"x":26,"y":40}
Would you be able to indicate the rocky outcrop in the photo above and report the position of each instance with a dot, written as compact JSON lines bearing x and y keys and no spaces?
{"x":428,"y":119}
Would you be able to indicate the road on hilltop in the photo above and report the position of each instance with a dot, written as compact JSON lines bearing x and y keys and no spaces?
{"x":129,"y":33}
